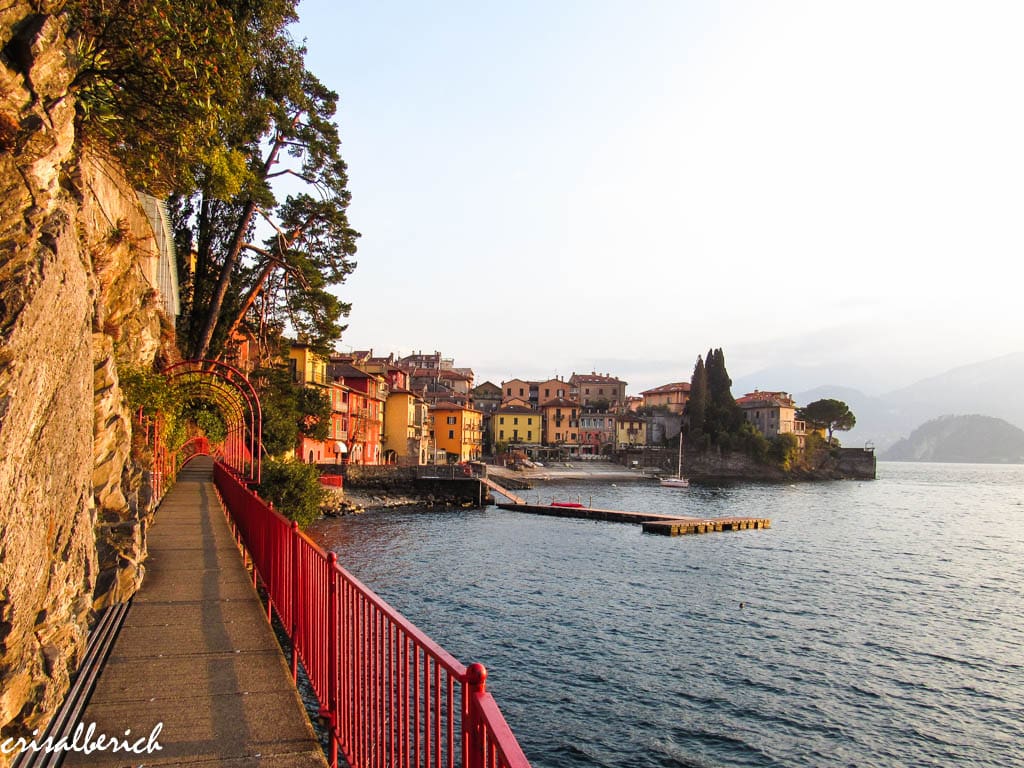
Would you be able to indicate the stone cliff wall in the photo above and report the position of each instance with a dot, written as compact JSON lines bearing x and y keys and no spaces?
{"x":74,"y":305}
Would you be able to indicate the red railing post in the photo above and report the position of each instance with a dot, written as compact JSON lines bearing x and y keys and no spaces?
{"x":332,"y":653}
{"x":472,"y":731}
{"x":297,"y":575}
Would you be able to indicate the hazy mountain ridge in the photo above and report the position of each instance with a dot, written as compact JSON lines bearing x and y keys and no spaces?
{"x":990,"y":387}
{"x":973,"y":438}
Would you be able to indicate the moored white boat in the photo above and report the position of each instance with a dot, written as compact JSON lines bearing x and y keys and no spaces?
{"x":678,"y":481}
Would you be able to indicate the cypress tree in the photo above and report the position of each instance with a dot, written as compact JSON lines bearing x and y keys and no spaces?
{"x":697,"y":402}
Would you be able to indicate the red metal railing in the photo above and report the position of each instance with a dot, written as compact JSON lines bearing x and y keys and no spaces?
{"x":392,"y":696}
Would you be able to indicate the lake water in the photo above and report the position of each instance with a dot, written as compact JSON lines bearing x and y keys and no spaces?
{"x":875,"y":624}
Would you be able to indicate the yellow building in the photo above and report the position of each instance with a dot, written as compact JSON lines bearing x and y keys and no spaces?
{"x":406,"y":428}
{"x":457,"y":430}
{"x":630,"y":431}
{"x":307,"y":367}
{"x":561,"y":422}
{"x":515,"y":425}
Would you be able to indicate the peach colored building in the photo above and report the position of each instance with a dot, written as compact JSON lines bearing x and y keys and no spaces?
{"x":773,"y":413}
{"x":671,"y":396}
{"x":561,"y":423}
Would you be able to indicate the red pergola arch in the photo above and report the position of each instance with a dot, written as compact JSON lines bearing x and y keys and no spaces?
{"x":227,"y":388}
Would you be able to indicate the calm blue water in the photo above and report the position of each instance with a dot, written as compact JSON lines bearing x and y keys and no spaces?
{"x":875,"y":624}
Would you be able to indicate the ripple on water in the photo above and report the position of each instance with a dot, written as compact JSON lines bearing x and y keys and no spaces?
{"x":881,"y":621}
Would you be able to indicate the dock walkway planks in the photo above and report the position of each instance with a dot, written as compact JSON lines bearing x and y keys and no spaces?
{"x":197,"y":654}
{"x":666,"y":525}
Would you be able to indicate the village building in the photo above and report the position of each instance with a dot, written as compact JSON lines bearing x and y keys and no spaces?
{"x":561,"y":424}
{"x":597,"y":432}
{"x":630,"y":431}
{"x":406,"y":428}
{"x":595,"y":388}
{"x":457,"y":430}
{"x":366,"y":394}
{"x":671,"y":397}
{"x":773,"y":413}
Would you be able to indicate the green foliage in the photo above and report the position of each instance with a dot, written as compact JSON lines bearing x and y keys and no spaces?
{"x":828,"y":414}
{"x":290,"y":410}
{"x":148,"y":390}
{"x":314,"y":413}
{"x":285,"y":130}
{"x":713,"y":415}
{"x":784,"y":450}
{"x":156,"y":80}
{"x":294,"y":488}
{"x":279,"y":403}
{"x":206,"y":418}
{"x":698,"y":400}
{"x":213,"y":102}
{"x":181,"y":417}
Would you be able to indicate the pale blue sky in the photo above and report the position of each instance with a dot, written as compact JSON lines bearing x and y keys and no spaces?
{"x":545,"y":187}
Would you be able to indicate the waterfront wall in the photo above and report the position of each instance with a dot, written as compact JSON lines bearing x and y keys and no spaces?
{"x":74,"y":307}
{"x":714,"y":465}
{"x":428,"y":483}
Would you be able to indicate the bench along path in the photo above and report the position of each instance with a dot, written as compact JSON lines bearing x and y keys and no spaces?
{"x":196,"y":653}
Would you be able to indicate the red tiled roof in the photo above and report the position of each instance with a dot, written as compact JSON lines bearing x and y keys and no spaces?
{"x":764,"y":399}
{"x":679,"y":386}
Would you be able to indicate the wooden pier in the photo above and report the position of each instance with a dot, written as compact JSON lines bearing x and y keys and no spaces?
{"x":664,"y":525}
{"x":684,"y":525}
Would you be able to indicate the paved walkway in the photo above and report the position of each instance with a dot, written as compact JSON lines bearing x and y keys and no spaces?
{"x":196,"y":653}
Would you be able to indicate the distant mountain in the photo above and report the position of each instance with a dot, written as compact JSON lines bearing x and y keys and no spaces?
{"x":980,"y":439}
{"x":990,"y":387}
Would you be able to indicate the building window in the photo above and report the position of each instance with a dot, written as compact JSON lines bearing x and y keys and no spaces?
{"x":515,"y":419}
{"x":501,"y":419}
{"x":520,"y":391}
{"x":451,"y":434}
{"x":508,"y":391}
{"x":501,"y":434}
{"x":547,"y":393}
{"x":450,"y":420}
{"x":529,"y":436}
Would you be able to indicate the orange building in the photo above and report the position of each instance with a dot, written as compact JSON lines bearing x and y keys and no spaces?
{"x":561,"y":423}
{"x":457,"y":430}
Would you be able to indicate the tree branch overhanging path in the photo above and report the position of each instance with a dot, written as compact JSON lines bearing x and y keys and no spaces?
{"x":213,"y":105}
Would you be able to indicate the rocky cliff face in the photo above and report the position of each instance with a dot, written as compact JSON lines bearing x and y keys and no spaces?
{"x":74,"y":305}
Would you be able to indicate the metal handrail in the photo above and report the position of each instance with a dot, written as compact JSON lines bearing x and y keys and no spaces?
{"x":390,"y":694}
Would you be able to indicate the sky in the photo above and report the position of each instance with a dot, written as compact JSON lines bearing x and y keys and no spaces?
{"x":832,"y":189}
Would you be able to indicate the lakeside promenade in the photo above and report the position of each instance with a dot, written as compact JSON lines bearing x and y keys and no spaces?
{"x":196,"y":653}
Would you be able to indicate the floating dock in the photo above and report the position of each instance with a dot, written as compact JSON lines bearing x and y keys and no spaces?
{"x":664,"y":525}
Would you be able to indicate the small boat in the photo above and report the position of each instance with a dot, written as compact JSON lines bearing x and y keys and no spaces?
{"x":678,"y":481}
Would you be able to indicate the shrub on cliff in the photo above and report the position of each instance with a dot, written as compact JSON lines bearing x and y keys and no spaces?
{"x":294,"y":488}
